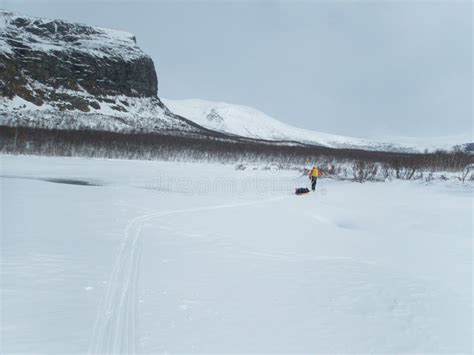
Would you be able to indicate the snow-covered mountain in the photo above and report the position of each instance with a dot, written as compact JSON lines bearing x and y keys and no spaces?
{"x":250,"y":122}
{"x":56,"y":74}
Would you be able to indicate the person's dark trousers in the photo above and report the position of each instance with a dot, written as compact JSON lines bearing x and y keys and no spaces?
{"x":313,"y":182}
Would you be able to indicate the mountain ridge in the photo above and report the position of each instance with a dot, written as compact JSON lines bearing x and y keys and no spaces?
{"x":247,"y":121}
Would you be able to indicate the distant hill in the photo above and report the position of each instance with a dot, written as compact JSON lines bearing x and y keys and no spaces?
{"x":250,"y":122}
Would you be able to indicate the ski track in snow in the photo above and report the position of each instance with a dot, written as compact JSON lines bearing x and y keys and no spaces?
{"x":116,"y":323}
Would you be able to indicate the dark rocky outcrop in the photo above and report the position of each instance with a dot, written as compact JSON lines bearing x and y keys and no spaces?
{"x":38,"y":57}
{"x":61,"y":75}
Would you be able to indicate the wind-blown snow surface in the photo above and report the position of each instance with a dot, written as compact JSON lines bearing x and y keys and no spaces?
{"x":181,"y":257}
{"x":249,"y":122}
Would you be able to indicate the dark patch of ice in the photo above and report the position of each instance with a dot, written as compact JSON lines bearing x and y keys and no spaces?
{"x":71,"y":182}
{"x":55,"y":180}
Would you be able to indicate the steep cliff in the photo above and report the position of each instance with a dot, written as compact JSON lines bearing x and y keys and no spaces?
{"x":64,"y":75}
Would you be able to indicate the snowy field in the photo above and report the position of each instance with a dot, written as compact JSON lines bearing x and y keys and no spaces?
{"x":107,"y":256}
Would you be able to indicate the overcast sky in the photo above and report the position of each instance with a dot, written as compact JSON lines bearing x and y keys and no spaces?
{"x":367,"y":69}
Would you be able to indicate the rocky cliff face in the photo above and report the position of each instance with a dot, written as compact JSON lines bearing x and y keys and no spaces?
{"x":64,"y":75}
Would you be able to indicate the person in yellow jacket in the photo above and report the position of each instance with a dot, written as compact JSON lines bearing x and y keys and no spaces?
{"x":313,"y":175}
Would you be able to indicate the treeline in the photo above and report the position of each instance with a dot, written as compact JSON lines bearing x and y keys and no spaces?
{"x":175,"y":146}
{"x":361,"y":171}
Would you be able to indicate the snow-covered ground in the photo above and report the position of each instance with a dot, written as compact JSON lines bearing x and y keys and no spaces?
{"x":250,"y":122}
{"x":183,"y":257}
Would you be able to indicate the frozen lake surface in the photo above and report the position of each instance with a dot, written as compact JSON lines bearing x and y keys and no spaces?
{"x":108,"y":256}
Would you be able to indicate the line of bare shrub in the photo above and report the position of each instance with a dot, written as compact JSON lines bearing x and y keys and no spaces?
{"x":365,"y":165}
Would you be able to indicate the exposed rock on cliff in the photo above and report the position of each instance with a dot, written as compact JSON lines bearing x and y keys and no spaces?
{"x":71,"y":76}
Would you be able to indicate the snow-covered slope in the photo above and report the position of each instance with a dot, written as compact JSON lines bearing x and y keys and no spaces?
{"x":249,"y":122}
{"x":120,"y":113}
